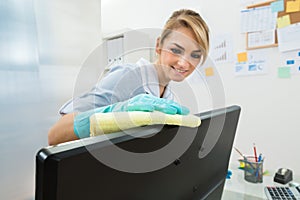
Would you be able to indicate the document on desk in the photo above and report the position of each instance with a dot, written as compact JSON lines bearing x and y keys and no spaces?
{"x":288,"y":37}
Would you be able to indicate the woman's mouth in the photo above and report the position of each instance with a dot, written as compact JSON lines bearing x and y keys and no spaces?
{"x":179,"y":70}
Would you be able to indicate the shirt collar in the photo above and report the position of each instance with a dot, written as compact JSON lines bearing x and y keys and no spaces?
{"x":150,"y":79}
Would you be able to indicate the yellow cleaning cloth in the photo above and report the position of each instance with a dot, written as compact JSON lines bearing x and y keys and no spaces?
{"x":103,"y":123}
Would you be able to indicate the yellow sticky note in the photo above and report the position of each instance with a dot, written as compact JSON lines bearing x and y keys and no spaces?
{"x":242,"y":57}
{"x":209,"y":71}
{"x":293,"y":6}
{"x":283,"y":21}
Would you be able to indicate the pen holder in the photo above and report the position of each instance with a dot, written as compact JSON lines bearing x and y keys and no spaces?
{"x":253,"y":170}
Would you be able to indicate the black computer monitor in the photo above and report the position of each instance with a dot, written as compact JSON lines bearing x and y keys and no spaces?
{"x":74,"y":171}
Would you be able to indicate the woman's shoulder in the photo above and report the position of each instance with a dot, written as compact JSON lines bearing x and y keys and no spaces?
{"x":130,"y":66}
{"x":128,"y":70}
{"x":123,"y":73}
{"x":123,"y":67}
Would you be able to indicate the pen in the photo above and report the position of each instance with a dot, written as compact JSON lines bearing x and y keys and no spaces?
{"x":239,"y":151}
{"x":255,"y":155}
{"x":259,"y":157}
{"x":245,"y":158}
{"x":257,"y":172}
{"x":259,"y":166}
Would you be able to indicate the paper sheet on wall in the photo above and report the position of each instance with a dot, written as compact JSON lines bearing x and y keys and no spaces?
{"x":261,"y":38}
{"x":291,"y":59}
{"x":293,"y":6}
{"x":283,"y":21}
{"x":277,"y":6}
{"x":245,"y":3}
{"x":254,"y":65}
{"x":209,"y":71}
{"x":284,"y":72}
{"x":288,"y":37}
{"x":222,"y":48}
{"x":242,"y":57}
{"x":258,"y":19}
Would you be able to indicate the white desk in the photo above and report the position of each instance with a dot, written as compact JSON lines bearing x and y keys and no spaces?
{"x":237,"y":188}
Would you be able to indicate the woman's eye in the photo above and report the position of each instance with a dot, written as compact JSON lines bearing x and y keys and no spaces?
{"x":194,"y":55}
{"x":175,"y":51}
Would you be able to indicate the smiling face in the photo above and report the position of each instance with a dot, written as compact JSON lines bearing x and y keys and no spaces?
{"x":178,"y":55}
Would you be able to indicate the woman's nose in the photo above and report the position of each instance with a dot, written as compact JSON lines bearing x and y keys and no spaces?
{"x":183,"y":61}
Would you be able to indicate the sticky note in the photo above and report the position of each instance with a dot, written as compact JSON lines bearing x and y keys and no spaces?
{"x":209,"y":71}
{"x":290,"y":62}
{"x":299,"y":53}
{"x":242,"y":57}
{"x":293,"y":6}
{"x":283,"y":21}
{"x":277,"y":6}
{"x":284,"y":72}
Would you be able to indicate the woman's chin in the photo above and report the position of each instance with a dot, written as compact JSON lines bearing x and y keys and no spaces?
{"x":178,"y":79}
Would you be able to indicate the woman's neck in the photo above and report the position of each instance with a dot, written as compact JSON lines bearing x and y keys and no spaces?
{"x":162,"y":91}
{"x":162,"y":80}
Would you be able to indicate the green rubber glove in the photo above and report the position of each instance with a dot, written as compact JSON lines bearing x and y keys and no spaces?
{"x":142,"y":102}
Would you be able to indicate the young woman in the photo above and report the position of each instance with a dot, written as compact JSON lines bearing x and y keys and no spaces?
{"x":182,"y":46}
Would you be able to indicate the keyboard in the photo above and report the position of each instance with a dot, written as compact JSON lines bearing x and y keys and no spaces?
{"x":278,"y":193}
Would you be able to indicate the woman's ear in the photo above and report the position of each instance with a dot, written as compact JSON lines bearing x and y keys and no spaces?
{"x":157,"y":46}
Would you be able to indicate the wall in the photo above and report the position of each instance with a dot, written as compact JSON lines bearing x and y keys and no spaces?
{"x":62,"y":34}
{"x":18,"y":36}
{"x":66,"y":30}
{"x":270,"y":106}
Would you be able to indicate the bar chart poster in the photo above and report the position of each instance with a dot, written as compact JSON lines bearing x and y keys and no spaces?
{"x":222,"y":49}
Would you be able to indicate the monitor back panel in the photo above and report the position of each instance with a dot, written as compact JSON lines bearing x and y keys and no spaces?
{"x":76,"y":174}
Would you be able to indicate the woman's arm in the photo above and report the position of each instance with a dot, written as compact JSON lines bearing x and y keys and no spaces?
{"x":63,"y":130}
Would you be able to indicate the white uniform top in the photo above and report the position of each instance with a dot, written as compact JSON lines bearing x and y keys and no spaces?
{"x":120,"y":83}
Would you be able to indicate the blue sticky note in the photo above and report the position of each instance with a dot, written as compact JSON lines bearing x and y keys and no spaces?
{"x":290,"y":62}
{"x":277,"y":6}
{"x":299,"y":53}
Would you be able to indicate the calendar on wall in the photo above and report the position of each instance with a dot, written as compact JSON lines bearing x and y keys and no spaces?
{"x":261,"y":22}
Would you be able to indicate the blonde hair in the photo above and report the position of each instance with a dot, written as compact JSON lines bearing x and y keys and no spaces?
{"x":192,"y":20}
